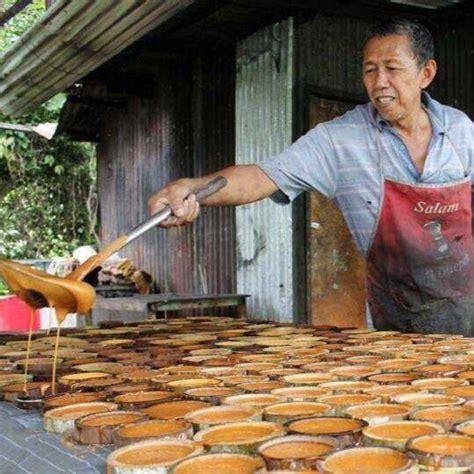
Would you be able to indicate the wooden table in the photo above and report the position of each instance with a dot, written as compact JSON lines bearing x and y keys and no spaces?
{"x":116,"y":291}
{"x":157,"y":305}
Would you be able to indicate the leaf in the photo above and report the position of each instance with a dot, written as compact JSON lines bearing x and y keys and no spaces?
{"x":56,"y":103}
{"x":49,"y":160}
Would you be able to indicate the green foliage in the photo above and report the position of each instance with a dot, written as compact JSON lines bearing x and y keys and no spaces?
{"x":47,"y":189}
{"x":21,"y":22}
{"x":44,"y":209}
{"x":3,"y":288}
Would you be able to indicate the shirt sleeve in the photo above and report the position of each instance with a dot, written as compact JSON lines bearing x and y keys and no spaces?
{"x":309,"y":164}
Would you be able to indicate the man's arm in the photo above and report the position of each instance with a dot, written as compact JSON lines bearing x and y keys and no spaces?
{"x":245,"y":184}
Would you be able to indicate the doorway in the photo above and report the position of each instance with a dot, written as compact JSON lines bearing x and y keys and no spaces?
{"x":335,"y":269}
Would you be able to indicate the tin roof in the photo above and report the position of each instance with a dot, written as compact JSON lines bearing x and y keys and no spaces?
{"x":76,"y":37}
{"x":72,"y":39}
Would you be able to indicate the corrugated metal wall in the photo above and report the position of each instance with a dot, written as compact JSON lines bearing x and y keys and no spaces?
{"x":186,"y":128}
{"x":214,"y":148}
{"x":329,"y":54}
{"x":455,"y":81}
{"x":264,"y":108}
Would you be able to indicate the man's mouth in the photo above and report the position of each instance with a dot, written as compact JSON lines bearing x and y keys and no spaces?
{"x":384,"y":100}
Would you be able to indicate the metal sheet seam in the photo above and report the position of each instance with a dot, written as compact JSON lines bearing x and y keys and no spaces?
{"x":264,"y":104}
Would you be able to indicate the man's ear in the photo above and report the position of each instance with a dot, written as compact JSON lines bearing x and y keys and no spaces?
{"x":428,"y":72}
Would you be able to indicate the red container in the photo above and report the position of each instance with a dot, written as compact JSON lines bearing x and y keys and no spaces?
{"x":15,"y":315}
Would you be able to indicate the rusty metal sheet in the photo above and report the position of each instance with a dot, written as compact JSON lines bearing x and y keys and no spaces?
{"x":337,"y":269}
{"x":186,"y":128}
{"x":330,"y":53}
{"x":454,"y":54}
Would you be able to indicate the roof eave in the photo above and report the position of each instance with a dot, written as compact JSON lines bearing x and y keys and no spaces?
{"x":71,"y":40}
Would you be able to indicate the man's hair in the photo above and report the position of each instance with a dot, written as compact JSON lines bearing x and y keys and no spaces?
{"x":420,"y":37}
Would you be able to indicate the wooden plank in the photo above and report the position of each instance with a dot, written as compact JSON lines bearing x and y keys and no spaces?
{"x":145,"y":302}
{"x":120,"y":304}
{"x":197,"y":303}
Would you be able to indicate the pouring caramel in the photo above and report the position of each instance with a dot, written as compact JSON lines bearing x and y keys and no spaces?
{"x":70,"y":295}
{"x":96,"y":260}
{"x":39,"y":289}
{"x":66,"y":295}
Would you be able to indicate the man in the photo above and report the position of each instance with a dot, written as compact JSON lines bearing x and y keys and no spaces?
{"x":400,"y":168}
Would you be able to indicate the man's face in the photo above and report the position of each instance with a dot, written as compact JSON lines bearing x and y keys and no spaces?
{"x":393,"y":78}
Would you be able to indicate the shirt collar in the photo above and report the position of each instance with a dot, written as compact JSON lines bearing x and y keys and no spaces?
{"x":431,"y":106}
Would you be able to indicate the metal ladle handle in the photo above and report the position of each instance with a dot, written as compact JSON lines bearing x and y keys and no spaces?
{"x":201,"y":193}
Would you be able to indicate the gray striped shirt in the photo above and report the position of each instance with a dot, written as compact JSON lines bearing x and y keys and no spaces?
{"x":340,"y":158}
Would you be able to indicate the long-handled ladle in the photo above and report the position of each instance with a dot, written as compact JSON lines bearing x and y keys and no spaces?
{"x":71,"y":295}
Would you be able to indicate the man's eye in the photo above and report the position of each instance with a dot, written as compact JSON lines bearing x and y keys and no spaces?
{"x":367,"y":71}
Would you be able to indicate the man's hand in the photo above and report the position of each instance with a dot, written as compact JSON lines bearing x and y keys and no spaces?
{"x":245,"y":184}
{"x":177,"y":196}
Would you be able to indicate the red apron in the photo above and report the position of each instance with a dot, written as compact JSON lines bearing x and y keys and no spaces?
{"x":420,"y":271}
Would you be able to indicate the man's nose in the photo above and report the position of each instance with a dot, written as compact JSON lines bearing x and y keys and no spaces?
{"x":381,"y":79}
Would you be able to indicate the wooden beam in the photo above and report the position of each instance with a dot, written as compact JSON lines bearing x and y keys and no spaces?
{"x":15,"y":126}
